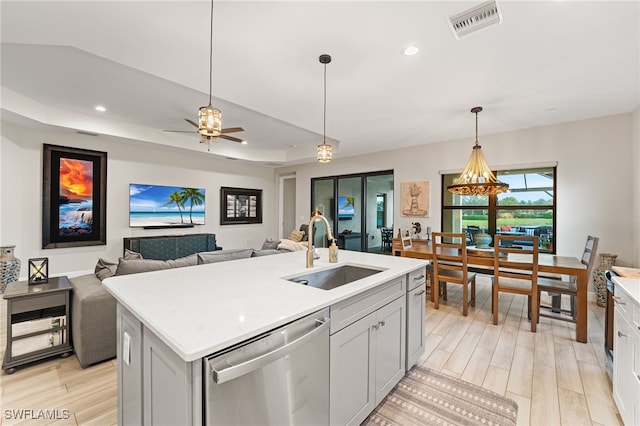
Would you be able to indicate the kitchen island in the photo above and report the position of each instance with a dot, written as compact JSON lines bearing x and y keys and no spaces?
{"x":171,"y":320}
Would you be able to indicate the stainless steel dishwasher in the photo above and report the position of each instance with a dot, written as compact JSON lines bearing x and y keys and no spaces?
{"x":278,"y":378}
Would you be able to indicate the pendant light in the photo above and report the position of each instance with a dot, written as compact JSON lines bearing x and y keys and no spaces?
{"x":210,"y":118}
{"x":477,"y":178}
{"x":325,"y":151}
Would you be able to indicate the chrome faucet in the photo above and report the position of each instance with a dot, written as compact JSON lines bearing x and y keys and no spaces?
{"x":316,"y":216}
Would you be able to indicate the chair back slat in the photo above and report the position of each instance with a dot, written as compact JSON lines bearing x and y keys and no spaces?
{"x":518,"y":276}
{"x":449,"y":247}
{"x":589,"y":254}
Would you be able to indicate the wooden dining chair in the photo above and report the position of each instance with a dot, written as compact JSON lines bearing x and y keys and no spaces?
{"x":515,"y":270}
{"x":450,"y":266}
{"x":556,"y":286}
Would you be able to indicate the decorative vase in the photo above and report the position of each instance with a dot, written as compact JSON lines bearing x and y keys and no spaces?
{"x":607,"y":260}
{"x":482,"y":240}
{"x":9,"y":267}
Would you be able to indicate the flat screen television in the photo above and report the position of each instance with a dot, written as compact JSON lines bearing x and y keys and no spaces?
{"x":157,"y":206}
{"x":346,"y":208}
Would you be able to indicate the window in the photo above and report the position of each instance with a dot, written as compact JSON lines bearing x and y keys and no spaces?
{"x":381,"y":210}
{"x":528,"y":208}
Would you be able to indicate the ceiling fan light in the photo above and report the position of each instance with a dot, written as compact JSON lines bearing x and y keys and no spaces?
{"x":325,"y":153}
{"x":210,"y":121}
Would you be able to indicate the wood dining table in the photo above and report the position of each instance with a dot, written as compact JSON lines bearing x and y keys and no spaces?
{"x":481,"y":261}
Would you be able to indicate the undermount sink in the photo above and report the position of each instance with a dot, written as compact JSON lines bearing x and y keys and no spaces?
{"x":335,"y":277}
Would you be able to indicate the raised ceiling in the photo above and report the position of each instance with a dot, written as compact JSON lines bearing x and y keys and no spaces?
{"x":548,"y":62}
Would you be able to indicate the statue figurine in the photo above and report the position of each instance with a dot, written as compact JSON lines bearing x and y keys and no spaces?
{"x":417,"y":228}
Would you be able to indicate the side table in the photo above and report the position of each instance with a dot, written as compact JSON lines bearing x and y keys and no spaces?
{"x":37,"y":321}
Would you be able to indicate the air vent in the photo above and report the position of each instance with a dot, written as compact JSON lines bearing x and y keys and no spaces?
{"x":475,"y":19}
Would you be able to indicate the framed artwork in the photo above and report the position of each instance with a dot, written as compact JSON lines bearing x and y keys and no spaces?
{"x":74,"y":197}
{"x":405,"y":238}
{"x":415,"y":199}
{"x":240,"y":206}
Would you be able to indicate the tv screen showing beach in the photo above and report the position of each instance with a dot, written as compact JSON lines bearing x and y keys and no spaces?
{"x":159,"y":206}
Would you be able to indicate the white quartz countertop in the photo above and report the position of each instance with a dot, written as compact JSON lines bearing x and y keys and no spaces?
{"x":631,"y":286}
{"x":199,"y":310}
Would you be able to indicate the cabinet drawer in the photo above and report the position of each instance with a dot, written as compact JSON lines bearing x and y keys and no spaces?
{"x":350,"y":310}
{"x":416,"y":278}
{"x":40,"y":302}
{"x":635,"y":316}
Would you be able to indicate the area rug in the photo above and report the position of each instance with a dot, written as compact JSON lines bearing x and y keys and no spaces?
{"x":427,"y":397}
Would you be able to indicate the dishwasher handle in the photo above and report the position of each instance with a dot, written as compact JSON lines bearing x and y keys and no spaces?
{"x":230,"y":373}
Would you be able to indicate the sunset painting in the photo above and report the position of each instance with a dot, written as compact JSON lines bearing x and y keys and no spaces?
{"x":76,"y":197}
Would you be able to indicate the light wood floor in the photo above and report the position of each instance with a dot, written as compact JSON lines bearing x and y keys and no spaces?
{"x":555,"y":380}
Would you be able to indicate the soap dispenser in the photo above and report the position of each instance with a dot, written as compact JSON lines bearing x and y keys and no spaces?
{"x":333,"y":252}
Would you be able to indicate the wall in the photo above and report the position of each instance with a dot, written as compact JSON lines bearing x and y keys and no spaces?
{"x":635,"y":214}
{"x":594,"y":176}
{"x":127,"y":162}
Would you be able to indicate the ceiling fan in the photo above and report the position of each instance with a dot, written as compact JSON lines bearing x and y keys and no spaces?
{"x":204,"y":139}
{"x":209,"y":123}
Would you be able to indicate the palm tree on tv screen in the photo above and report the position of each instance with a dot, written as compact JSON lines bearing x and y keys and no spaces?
{"x":177,"y":198}
{"x":195,"y":197}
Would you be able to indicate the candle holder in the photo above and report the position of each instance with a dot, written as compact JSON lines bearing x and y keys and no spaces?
{"x":39,"y":270}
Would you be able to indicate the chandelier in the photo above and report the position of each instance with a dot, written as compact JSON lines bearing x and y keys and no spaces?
{"x":325,"y":151}
{"x":477,"y":178}
{"x":210,"y":118}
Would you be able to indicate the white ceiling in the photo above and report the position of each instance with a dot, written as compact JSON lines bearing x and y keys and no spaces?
{"x":147,"y":62}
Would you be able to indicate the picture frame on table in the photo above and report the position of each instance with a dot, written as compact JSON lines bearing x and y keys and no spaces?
{"x":74,"y":197}
{"x":240,"y":206}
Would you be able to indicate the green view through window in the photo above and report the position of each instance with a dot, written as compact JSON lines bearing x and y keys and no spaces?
{"x":528,"y":208}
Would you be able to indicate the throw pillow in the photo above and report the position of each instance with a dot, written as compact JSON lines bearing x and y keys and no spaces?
{"x":265,"y":252}
{"x":223,"y":255}
{"x":136,"y":266}
{"x":305,"y":228}
{"x":128,"y":254}
{"x":105,"y":269}
{"x":270,"y":244}
{"x":296,"y":236}
{"x":290,"y":245}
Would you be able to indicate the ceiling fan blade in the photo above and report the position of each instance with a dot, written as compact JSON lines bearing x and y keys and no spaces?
{"x":193,"y":123}
{"x":230,"y":138}
{"x":233,"y":130}
{"x":180,"y":131}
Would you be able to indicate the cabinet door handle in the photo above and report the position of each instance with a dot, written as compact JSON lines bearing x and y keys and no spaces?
{"x":419,"y":277}
{"x":376,"y":326}
{"x":381,"y":323}
{"x":420,"y":293}
{"x":621,"y":334}
{"x":619,"y":300}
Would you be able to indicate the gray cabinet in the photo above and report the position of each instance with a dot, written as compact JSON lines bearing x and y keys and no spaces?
{"x":367,"y":356}
{"x":626,"y":366}
{"x":155,"y":385}
{"x":416,"y":299}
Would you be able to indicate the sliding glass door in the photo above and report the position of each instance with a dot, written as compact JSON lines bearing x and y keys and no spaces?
{"x":359,"y":208}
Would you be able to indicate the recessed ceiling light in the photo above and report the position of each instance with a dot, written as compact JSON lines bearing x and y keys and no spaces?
{"x":100,"y":108}
{"x":411,"y":50}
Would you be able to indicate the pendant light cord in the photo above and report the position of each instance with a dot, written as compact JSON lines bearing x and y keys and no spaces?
{"x":476,"y":128}
{"x":211,"y":55}
{"x":324,"y":126}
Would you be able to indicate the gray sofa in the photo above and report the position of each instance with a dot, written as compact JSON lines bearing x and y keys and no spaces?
{"x":93,"y":309}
